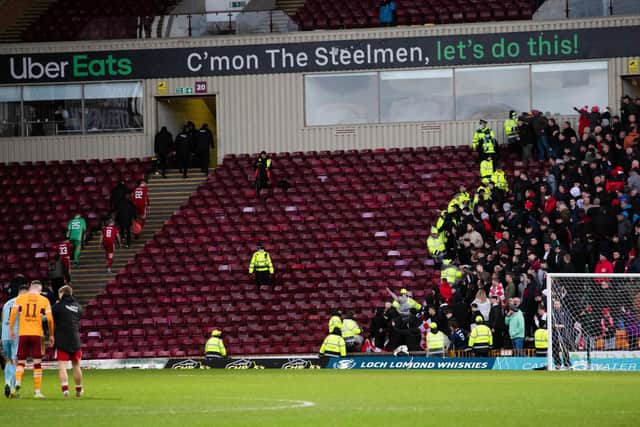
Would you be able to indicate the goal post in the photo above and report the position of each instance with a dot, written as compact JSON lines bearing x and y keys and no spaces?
{"x":593,"y":321}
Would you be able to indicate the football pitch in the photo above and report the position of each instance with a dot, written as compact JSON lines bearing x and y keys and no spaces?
{"x":332,"y":398}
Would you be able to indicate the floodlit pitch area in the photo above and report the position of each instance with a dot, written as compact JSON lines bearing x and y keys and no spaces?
{"x":333,"y":398}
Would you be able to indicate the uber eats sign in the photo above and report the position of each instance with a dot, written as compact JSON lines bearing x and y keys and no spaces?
{"x":336,"y":55}
{"x":81,"y":66}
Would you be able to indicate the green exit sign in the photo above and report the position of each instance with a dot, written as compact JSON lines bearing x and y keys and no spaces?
{"x":184,"y":90}
{"x":235,"y":4}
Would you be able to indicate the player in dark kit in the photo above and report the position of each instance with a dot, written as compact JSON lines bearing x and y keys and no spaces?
{"x":66,"y":316}
{"x":108,"y":239}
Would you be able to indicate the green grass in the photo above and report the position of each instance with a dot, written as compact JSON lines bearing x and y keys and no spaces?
{"x":335,"y":399}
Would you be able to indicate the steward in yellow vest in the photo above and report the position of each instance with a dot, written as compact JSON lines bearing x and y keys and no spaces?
{"x":481,"y":338}
{"x":262,"y":265}
{"x":541,"y":337}
{"x":333,"y":345}
{"x":335,"y":321}
{"x":511,"y":128}
{"x":215,"y":346}
{"x":436,"y":341}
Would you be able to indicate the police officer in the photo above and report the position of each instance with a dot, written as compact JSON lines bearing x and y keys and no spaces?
{"x":334,"y":345}
{"x":351,"y":333}
{"x":484,"y":140}
{"x":436,"y":341}
{"x":481,"y":338}
{"x":436,"y":243}
{"x":499,"y":179}
{"x":541,"y":337}
{"x":501,"y":185}
{"x":183,"y":150}
{"x":204,"y":141}
{"x":486,"y":169}
{"x":262,"y":265}
{"x":511,"y":129}
{"x":450,"y":272}
{"x":335,"y":321}
{"x":214,"y":348}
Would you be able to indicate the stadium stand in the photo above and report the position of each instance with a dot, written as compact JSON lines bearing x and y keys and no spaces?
{"x":334,"y":14}
{"x":96,"y":20}
{"x":352,"y":224}
{"x":39,"y":198}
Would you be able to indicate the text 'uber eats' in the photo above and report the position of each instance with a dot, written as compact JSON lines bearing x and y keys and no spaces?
{"x":79,"y":66}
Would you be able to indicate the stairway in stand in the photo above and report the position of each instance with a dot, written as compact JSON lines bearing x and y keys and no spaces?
{"x":290,"y":7}
{"x":166,"y":195}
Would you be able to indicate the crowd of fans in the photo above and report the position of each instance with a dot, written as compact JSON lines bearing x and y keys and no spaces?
{"x":581,"y":214}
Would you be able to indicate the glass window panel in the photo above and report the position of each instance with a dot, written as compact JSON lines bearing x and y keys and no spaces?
{"x":334,"y":99}
{"x":52,"y":110}
{"x":557,"y":88}
{"x":52,"y":93}
{"x":114,"y":107}
{"x":416,"y":96}
{"x":113,"y":90}
{"x":490,"y":92}
{"x":10,"y":111}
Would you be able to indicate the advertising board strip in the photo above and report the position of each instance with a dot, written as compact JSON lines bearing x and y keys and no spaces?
{"x":340,"y":55}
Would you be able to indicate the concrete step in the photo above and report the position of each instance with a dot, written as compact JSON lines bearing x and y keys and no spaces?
{"x":166,"y":195}
{"x":289,"y":6}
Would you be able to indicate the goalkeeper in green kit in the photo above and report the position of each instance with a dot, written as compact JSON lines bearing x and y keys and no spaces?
{"x":76,"y":230}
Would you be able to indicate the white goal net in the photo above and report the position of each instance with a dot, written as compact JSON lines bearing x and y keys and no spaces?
{"x":593,"y":321}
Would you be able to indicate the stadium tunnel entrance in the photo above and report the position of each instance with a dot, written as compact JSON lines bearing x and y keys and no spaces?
{"x":175,"y":111}
{"x":631,"y":86}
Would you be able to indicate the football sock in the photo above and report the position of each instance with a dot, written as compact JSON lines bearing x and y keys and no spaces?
{"x":19,"y":373}
{"x":10,"y":374}
{"x":37,"y":376}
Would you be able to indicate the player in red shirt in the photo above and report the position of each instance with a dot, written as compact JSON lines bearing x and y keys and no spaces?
{"x":108,"y":239}
{"x":141,"y":201}
{"x":64,"y":249}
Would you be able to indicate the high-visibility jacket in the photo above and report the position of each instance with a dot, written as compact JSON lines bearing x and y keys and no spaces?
{"x":481,"y":136}
{"x":350,"y":328}
{"x":486,"y":168}
{"x":510,"y":127}
{"x":459,"y":200}
{"x":436,"y":245}
{"x":481,"y":337}
{"x":463,"y":197}
{"x":499,"y":179}
{"x":436,"y":341}
{"x":261,"y":261}
{"x":215,"y":345}
{"x":406,"y":304}
{"x":333,"y":345}
{"x":541,"y":339}
{"x":489,"y":146}
{"x":451,"y":274}
{"x":335,"y":322}
{"x":487,"y":192}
